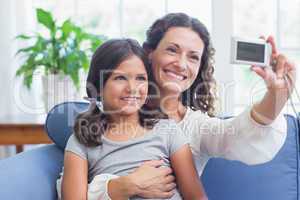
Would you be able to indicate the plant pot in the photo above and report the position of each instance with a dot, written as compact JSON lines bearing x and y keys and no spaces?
{"x":58,"y":89}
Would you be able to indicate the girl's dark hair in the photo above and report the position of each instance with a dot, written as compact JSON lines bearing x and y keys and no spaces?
{"x":202,"y":93}
{"x":91,"y":124}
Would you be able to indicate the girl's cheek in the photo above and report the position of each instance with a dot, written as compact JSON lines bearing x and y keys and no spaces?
{"x":144,"y":90}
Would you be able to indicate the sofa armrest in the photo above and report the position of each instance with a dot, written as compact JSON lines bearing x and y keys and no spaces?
{"x":32,"y":174}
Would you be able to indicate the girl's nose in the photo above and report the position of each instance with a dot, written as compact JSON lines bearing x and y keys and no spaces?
{"x":132,"y":87}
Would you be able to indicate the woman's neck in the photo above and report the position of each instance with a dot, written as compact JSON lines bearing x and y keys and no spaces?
{"x":171,"y":105}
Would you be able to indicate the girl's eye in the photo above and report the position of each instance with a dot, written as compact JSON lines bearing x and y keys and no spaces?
{"x":120,"y":78}
{"x":141,"y":78}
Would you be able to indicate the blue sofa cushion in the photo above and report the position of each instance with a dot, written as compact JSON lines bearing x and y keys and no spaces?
{"x":31,"y":175}
{"x":276,"y":180}
{"x":60,"y":121}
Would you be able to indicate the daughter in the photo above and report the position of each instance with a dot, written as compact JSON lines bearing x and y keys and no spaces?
{"x":125,"y":133}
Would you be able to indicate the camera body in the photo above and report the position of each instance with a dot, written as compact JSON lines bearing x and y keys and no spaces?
{"x":250,"y":51}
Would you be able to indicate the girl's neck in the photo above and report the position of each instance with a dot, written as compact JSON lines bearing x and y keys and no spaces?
{"x":122,"y":128}
{"x":123,"y":119}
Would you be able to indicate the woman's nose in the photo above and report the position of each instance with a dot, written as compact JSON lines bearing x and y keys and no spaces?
{"x":182,"y":63}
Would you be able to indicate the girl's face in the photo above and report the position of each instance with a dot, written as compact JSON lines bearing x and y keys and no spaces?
{"x":126,"y":89}
{"x":176,"y":60}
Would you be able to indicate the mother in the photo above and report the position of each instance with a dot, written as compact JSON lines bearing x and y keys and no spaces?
{"x":181,"y":55}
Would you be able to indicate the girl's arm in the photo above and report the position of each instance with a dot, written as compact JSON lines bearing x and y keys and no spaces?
{"x":186,"y":174}
{"x":74,"y":183}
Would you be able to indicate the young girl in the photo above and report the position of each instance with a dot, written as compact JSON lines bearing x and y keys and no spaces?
{"x":124,"y":134}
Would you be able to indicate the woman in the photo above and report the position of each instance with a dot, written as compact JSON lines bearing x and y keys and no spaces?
{"x":180,"y":52}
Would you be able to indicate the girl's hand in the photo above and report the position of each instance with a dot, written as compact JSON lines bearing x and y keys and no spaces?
{"x":152,"y":180}
{"x":280,"y":67}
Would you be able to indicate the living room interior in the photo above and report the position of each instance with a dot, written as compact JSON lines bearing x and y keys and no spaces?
{"x":30,"y":89}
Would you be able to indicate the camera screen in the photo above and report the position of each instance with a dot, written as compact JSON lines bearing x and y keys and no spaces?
{"x":250,"y":52}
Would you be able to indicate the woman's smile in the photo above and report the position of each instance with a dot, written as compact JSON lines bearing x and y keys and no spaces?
{"x":174,"y":75}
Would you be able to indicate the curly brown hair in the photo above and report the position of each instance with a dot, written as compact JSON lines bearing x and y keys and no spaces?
{"x":202,"y":93}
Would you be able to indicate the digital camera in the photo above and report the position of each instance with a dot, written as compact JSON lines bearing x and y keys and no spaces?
{"x":250,"y":51}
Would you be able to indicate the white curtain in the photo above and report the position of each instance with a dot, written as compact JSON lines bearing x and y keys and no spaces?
{"x":16,"y":17}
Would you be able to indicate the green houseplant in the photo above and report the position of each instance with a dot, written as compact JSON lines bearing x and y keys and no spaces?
{"x":62,"y":51}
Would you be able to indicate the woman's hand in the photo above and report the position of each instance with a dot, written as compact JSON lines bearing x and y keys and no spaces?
{"x":152,"y":180}
{"x":274,"y":76}
{"x":280,"y":78}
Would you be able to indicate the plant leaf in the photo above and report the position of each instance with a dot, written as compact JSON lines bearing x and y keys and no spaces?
{"x":28,"y":80}
{"x":67,"y":51}
{"x":24,"y":50}
{"x":67,"y":28}
{"x":75,"y":77}
{"x":23,"y":37}
{"x":45,"y":18}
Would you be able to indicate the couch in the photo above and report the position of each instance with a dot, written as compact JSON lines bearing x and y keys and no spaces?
{"x":32,"y":175}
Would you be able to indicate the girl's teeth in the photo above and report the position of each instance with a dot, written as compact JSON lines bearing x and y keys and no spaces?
{"x":129,"y":98}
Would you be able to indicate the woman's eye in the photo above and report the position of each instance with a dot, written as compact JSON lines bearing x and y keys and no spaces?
{"x":196,"y":58}
{"x":120,"y":78}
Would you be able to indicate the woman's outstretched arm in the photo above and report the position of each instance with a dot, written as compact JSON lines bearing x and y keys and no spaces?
{"x":256,"y":135}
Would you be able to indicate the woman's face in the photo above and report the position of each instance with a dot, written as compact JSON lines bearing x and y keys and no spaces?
{"x":126,"y":89}
{"x":176,"y":60}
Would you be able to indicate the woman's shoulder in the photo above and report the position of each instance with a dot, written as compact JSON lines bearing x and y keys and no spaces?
{"x":193,"y":114}
{"x":165,"y":123}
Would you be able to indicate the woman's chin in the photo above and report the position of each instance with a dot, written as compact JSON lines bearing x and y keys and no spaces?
{"x":172,"y":89}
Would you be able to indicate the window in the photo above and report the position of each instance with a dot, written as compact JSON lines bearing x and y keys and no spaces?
{"x":123,"y":18}
{"x":253,"y":18}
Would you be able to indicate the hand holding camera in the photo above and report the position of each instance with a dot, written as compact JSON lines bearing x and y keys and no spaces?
{"x":277,"y":71}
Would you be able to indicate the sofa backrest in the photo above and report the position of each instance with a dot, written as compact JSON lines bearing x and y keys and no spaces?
{"x":222,"y":179}
{"x":60,"y":121}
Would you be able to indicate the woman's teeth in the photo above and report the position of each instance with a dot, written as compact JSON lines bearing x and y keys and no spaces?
{"x":179,"y":77}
